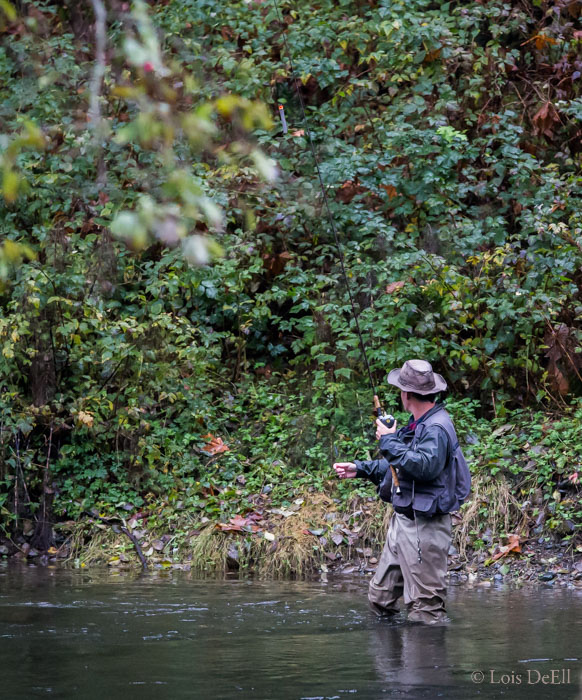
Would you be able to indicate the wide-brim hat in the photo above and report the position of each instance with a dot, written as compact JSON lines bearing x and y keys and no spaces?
{"x":417,"y":376}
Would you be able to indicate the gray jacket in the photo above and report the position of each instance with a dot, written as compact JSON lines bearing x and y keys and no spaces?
{"x":426,"y":459}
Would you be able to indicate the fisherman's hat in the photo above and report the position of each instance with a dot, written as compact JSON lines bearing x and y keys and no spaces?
{"x":417,"y":376}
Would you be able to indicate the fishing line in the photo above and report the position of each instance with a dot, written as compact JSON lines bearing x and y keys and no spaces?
{"x":325,"y":199}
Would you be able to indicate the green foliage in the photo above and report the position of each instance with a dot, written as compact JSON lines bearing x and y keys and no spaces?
{"x":447,"y":140}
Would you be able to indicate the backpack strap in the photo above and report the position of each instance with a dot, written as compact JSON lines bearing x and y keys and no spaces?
{"x":443,"y":419}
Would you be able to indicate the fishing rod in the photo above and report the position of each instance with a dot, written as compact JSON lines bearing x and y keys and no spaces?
{"x":385,"y":418}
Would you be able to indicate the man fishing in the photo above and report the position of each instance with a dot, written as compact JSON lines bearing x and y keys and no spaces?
{"x":423,"y":473}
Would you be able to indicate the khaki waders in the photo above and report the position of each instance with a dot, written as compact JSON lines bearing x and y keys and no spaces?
{"x":399,"y":572}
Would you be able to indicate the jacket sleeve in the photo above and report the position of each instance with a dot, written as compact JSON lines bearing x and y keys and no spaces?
{"x":423,"y":463}
{"x":374,"y":470}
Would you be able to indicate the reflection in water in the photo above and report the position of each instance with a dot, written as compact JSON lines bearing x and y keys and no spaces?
{"x":88,"y":635}
{"x":410,"y":656}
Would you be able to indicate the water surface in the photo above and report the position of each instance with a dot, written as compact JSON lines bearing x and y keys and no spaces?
{"x":85,"y":634}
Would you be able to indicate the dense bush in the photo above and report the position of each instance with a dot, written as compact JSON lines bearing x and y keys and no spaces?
{"x":448,"y":136}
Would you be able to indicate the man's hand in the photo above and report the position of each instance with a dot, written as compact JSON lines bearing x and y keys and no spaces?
{"x":381,"y":429}
{"x":345,"y":470}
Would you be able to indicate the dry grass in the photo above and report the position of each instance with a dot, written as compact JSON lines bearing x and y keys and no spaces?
{"x":292,"y":553}
{"x":492,"y":506}
{"x":91,"y":545}
{"x":295,"y":551}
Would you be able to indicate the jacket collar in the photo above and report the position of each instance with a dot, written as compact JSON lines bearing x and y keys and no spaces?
{"x":435,"y":409}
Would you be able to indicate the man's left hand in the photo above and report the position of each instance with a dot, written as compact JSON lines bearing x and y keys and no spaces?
{"x":381,"y":429}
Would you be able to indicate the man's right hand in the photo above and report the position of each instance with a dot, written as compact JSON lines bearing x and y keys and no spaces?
{"x":345,"y":470}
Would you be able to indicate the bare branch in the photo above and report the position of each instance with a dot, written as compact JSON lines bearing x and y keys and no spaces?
{"x":95,"y":118}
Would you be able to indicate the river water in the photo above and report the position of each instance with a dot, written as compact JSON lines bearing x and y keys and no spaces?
{"x":89,"y":634}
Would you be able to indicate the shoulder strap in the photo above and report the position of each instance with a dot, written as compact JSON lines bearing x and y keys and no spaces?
{"x":443,"y":419}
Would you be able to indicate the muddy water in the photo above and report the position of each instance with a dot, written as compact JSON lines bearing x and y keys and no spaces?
{"x":96,"y":635}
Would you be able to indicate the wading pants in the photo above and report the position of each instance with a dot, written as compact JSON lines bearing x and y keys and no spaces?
{"x":399,"y":572}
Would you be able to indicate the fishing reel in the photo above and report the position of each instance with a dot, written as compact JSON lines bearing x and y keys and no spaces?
{"x":387,"y":419}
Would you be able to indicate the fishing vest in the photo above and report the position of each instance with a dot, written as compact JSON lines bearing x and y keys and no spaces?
{"x":443,"y":494}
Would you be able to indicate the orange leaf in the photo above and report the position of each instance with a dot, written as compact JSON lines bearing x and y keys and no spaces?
{"x":394,"y":286}
{"x":512,"y":546}
{"x":390,"y":190}
{"x":541,"y":41}
{"x":215,"y":445}
{"x":299,"y":132}
{"x":432,"y":56}
{"x":239,"y":522}
{"x":545,"y":118}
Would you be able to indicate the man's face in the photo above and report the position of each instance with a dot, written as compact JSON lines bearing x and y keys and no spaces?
{"x":404,"y":399}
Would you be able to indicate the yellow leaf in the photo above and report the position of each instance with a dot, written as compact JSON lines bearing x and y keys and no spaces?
{"x":32,"y":136}
{"x":85,"y":418}
{"x":10,"y":183}
{"x":11,"y":251}
{"x":8,"y":9}
{"x":226,"y":104}
{"x":124,"y":91}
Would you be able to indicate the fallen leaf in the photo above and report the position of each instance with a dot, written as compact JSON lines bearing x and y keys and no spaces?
{"x":541,"y":41}
{"x":545,"y":118}
{"x":282,"y":511}
{"x":512,"y":546}
{"x":239,"y":524}
{"x":214,"y":446}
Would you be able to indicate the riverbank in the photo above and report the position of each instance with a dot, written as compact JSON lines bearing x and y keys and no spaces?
{"x":315,"y":534}
{"x":243,"y":506}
